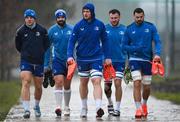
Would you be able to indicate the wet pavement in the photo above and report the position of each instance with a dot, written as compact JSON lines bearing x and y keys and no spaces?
{"x":159,"y":110}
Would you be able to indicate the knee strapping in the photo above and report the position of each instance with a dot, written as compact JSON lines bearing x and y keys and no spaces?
{"x":147,"y":80}
{"x":136,"y":75}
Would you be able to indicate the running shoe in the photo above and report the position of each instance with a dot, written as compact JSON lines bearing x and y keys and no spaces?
{"x":83,"y":113}
{"x":110,"y":109}
{"x":100,"y":113}
{"x":67,"y":111}
{"x":144,"y":109}
{"x":116,"y":113}
{"x":58,"y":112}
{"x":26,"y":114}
{"x":37,"y":111}
{"x":71,"y":69}
{"x":138,"y":113}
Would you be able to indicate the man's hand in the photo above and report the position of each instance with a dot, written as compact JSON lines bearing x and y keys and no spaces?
{"x":108,"y":62}
{"x":70,"y":60}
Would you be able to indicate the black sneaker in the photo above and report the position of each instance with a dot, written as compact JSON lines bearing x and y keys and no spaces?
{"x":110,"y":109}
{"x":45,"y":82}
{"x":100,"y":113}
{"x":26,"y":114}
{"x":51,"y":80}
{"x":58,"y":112}
{"x":116,"y":113}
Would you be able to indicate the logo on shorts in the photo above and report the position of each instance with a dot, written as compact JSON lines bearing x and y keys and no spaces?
{"x":79,"y":67}
{"x":22,"y":67}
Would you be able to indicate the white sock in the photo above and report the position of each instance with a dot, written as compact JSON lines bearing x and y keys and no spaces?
{"x":138,"y":105}
{"x":37,"y":102}
{"x":67,"y":96}
{"x":26,"y":105}
{"x":117,"y":107}
{"x":58,"y":97}
{"x":84,"y":103}
{"x":110,"y":101}
{"x":144,"y":102}
{"x":98,"y":104}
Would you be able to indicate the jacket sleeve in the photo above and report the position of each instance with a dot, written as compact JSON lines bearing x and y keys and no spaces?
{"x":130,"y":48}
{"x":18,"y":41}
{"x":46,"y":41}
{"x":48,"y":52}
{"x":72,"y":42}
{"x":157,"y":41}
{"x":105,"y":45}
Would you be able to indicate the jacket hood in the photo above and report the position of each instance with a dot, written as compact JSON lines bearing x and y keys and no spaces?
{"x":90,"y":6}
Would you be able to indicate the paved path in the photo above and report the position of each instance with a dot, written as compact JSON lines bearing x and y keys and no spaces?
{"x":159,"y":110}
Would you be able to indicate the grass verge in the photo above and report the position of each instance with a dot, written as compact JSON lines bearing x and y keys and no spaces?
{"x":174,"y":97}
{"x":9,"y":96}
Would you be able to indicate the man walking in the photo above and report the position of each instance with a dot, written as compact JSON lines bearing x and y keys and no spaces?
{"x":31,"y":42}
{"x":138,"y":42}
{"x":89,"y":33}
{"x":115,"y":32}
{"x":59,"y":35}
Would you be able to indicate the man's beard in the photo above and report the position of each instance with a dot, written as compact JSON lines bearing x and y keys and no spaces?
{"x":139,"y":22}
{"x":61,"y":23}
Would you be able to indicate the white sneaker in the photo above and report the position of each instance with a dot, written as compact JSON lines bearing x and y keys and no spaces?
{"x":83,"y":113}
{"x":66,"y":111}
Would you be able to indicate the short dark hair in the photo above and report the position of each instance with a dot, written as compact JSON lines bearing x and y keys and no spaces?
{"x":138,"y":10}
{"x":113,"y":11}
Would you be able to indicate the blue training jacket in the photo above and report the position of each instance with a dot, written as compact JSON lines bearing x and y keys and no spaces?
{"x":59,"y":37}
{"x":138,"y":41}
{"x":115,"y":36}
{"x":91,"y":38}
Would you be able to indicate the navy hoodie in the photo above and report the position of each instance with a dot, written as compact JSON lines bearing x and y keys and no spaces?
{"x":91,"y":38}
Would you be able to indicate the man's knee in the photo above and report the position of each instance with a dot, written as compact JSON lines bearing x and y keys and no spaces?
{"x":107,"y":88}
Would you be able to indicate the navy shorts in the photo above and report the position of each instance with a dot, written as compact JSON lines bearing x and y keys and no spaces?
{"x":119,"y":68}
{"x":35,"y":69}
{"x":143,"y":66}
{"x":90,"y":69}
{"x":59,"y":67}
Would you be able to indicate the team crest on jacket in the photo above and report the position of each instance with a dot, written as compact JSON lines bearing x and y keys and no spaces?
{"x":107,"y":31}
{"x":25,"y":35}
{"x":146,"y":30}
{"x":69,"y":32}
{"x":96,"y":28}
{"x":82,"y":29}
{"x":56,"y":33}
{"x":37,"y":33}
{"x":133,"y":32}
{"x":121,"y":32}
